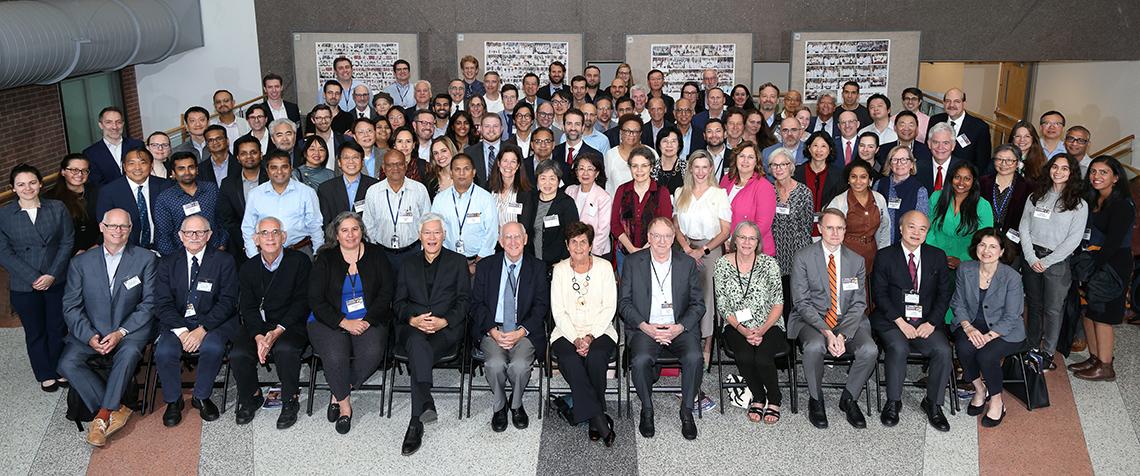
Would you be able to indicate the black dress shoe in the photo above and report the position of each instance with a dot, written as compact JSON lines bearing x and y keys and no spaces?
{"x":890,"y":415}
{"x":646,"y":425}
{"x":247,"y":410}
{"x":817,"y":414}
{"x":499,"y":420}
{"x":343,"y":424}
{"x":990,"y":422}
{"x":288,"y":416}
{"x":333,"y":412}
{"x":854,"y":415}
{"x":688,"y":426}
{"x":50,"y":388}
{"x":413,"y":438}
{"x":206,"y":408}
{"x":595,"y":435}
{"x":173,"y":414}
{"x":519,"y":418}
{"x":935,"y":416}
{"x":608,"y":440}
{"x":978,"y":410}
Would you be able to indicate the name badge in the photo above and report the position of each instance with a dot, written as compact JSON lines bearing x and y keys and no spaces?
{"x":850,"y":284}
{"x":1088,"y":234}
{"x":783,"y":210}
{"x":358,"y":206}
{"x":894,"y":203}
{"x":515,"y":208}
{"x":131,"y":283}
{"x":914,"y":311}
{"x":1013,"y":235}
{"x":550,"y":221}
{"x":963,"y":140}
{"x":261,"y":310}
{"x":205,"y":286}
{"x":190,"y":312}
{"x":191,"y":208}
{"x":666,"y":306}
{"x":815,"y":218}
{"x":910,"y":298}
{"x":355,"y":304}
{"x":591,"y":210}
{"x":405,"y":218}
{"x":743,"y":315}
{"x":474,"y":218}
{"x":459,"y":247}
{"x":1042,"y":213}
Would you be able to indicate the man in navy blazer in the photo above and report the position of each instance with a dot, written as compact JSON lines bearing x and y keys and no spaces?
{"x":106,"y":156}
{"x":123,"y":193}
{"x":911,"y":287}
{"x":510,"y":299}
{"x":971,"y":134}
{"x":944,"y":157}
{"x":196,"y":306}
{"x":825,"y":114}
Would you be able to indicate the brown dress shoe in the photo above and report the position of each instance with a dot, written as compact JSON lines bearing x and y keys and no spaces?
{"x":1079,"y":345}
{"x":97,"y":433}
{"x":118,"y":419}
{"x":1101,"y":372}
{"x":1084,"y":364}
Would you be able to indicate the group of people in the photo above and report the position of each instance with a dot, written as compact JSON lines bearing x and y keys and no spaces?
{"x":540,"y":221}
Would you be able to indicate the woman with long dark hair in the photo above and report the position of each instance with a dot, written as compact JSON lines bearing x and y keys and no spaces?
{"x":1024,"y":137}
{"x":509,"y":186}
{"x":956,"y":213}
{"x":460,"y":129}
{"x":78,"y":195}
{"x":741,"y":98}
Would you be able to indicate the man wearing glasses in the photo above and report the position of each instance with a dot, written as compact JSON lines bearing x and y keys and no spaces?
{"x":361,"y":99}
{"x":257,"y":116}
{"x":1077,"y":146}
{"x":544,"y":115}
{"x":293,"y":204}
{"x":789,"y":139}
{"x":220,"y":163}
{"x":190,"y":197}
{"x":424,"y":125}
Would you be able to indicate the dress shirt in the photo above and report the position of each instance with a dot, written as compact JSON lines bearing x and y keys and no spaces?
{"x":719,"y":167}
{"x":886,"y":135}
{"x":838,"y":254}
{"x":201,"y":254}
{"x":854,"y":143}
{"x":276,"y":114}
{"x":220,"y":171}
{"x":234,"y":130}
{"x":479,"y":239}
{"x":934,"y":173}
{"x":248,"y":186}
{"x":956,"y":123}
{"x":1060,"y":149}
{"x":116,"y":151}
{"x":822,"y":125}
{"x":488,"y":158}
{"x":503,"y":285}
{"x":687,"y":139}
{"x":169,"y":212}
{"x":350,"y":188}
{"x":388,"y":212}
{"x":661,"y":292}
{"x":601,"y":143}
{"x":296,"y":207}
{"x":272,"y":266}
{"x":112,"y":261}
{"x":346,"y":103}
{"x":145,"y":186}
{"x":402,"y":95}
{"x":702,"y":216}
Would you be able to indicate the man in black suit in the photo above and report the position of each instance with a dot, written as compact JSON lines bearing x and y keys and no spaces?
{"x":283,"y":135}
{"x":432,"y":296}
{"x":484,"y":152}
{"x":623,"y":106}
{"x":555,"y":73}
{"x":333,"y":195}
{"x":714,"y":108}
{"x":935,"y":173}
{"x":824,"y":118}
{"x":235,"y":188}
{"x":362,"y":103}
{"x":661,"y":302}
{"x":195,"y":304}
{"x":322,"y":127}
{"x":573,"y":123}
{"x":106,"y":156}
{"x":279,"y":108}
{"x":510,"y":298}
{"x":657,"y":121}
{"x":135,"y":193}
{"x":219,"y":163}
{"x":541,"y":149}
{"x":970,"y":133}
{"x":692,"y":137}
{"x":906,"y":127}
{"x":911,"y":286}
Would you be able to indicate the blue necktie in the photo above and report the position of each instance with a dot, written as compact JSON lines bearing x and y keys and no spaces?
{"x":509,"y":293}
{"x":192,"y":293}
{"x":144,"y":222}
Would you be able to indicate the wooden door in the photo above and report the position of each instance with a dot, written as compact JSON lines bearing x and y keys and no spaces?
{"x":1013,"y":90}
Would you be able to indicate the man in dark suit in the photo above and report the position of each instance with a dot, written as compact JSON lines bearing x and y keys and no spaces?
{"x":136,"y":193}
{"x":484,"y":152}
{"x":906,"y":127}
{"x":235,"y":189}
{"x":564,"y":153}
{"x":555,"y":73}
{"x":692,"y":137}
{"x":970,"y":133}
{"x":657,"y":121}
{"x":219,"y":163}
{"x":911,"y":286}
{"x":283,"y":136}
{"x":715,"y":108}
{"x":333,"y":195}
{"x":279,"y":108}
{"x":510,"y":298}
{"x":195,"y":305}
{"x":824,"y":118}
{"x":108,"y":305}
{"x":943,"y":158}
{"x":661,"y":301}
{"x":542,"y":149}
{"x":432,"y":296}
{"x":106,"y":156}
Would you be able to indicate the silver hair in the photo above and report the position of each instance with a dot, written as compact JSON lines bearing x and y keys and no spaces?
{"x":196,"y":215}
{"x":334,"y":225}
{"x":428,"y":218}
{"x":280,"y":225}
{"x":940,"y":127}
{"x":784,"y":151}
{"x":129,"y":221}
{"x":638,"y":87}
{"x":741,"y":226}
{"x":286,"y":121}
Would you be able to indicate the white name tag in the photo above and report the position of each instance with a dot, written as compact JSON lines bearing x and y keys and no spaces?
{"x":550,"y":221}
{"x":358,"y":206}
{"x":743,"y":315}
{"x":405,"y":218}
{"x":850,"y":284}
{"x":1042,"y":213}
{"x":591,"y":210}
{"x":1013,"y":235}
{"x":894,"y":203}
{"x":205,"y":286}
{"x":914,"y":311}
{"x":191,"y":208}
{"x":815,"y":218}
{"x":910,"y":298}
{"x":131,"y":283}
{"x":963,"y":140}
{"x":783,"y":210}
{"x":190,"y":312}
{"x":1088,"y":234}
{"x":459,"y":247}
{"x":515,"y":208}
{"x":355,"y":304}
{"x":474,"y":218}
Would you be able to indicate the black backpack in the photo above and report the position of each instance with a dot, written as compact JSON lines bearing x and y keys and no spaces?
{"x":77,"y":410}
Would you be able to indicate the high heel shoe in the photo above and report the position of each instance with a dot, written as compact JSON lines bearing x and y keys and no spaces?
{"x":609,"y":438}
{"x":978,"y":410}
{"x":990,"y":422}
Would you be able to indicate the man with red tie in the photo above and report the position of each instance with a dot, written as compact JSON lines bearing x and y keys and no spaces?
{"x":847,"y":144}
{"x":935,"y":171}
{"x":564,"y":153}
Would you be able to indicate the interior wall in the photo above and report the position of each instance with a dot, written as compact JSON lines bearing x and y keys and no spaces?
{"x":978,"y":80}
{"x":1098,"y":95}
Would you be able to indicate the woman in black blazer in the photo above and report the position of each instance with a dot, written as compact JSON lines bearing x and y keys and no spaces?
{"x":350,"y":292}
{"x":551,"y":210}
{"x":79,"y":196}
{"x":36,"y":237}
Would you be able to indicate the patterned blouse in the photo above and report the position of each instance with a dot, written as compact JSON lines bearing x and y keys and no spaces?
{"x":757,"y":291}
{"x":791,"y":228}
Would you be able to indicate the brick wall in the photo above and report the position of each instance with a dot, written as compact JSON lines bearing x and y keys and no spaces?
{"x":31,"y":129}
{"x":130,"y":88}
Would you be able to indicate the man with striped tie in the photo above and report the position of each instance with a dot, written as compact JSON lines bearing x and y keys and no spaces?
{"x":829,"y":299}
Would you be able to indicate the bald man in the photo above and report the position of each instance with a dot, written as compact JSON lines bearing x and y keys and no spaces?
{"x":971,"y":135}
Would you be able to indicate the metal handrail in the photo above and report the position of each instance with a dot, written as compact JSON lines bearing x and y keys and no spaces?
{"x":1113,"y":146}
{"x":994,"y":124}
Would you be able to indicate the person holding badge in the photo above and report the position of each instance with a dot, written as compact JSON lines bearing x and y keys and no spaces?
{"x":470,"y":215}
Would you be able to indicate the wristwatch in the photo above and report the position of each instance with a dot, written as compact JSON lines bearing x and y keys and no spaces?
{"x":706,"y":250}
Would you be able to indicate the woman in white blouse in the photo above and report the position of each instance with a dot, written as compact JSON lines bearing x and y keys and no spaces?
{"x":594,"y":204}
{"x":583,"y":299}
{"x":617,"y":158}
{"x":701,"y":214}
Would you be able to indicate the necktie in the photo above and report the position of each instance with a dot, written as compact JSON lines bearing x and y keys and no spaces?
{"x":913,"y":268}
{"x":362,"y":115}
{"x":570,"y":156}
{"x":490,"y":158}
{"x":938,"y":180}
{"x":193,"y":294}
{"x":847,"y":153}
{"x":954,"y":124}
{"x":509,"y":293}
{"x":144,"y":222}
{"x":830,"y":317}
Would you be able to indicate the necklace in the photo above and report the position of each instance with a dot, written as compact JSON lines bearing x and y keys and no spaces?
{"x":581,"y":289}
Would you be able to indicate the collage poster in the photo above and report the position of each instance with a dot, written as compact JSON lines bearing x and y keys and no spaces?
{"x":683,"y":62}
{"x":371,"y":61}
{"x":830,"y":63}
{"x":514,"y":59}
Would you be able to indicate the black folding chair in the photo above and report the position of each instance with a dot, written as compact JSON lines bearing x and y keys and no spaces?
{"x":720,"y":351}
{"x":316,"y":364}
{"x":615,"y":358}
{"x":456,"y":359}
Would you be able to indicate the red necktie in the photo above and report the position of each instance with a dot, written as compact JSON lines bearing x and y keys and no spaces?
{"x":847,"y":154}
{"x":830,"y":317}
{"x":938,"y":180}
{"x":913,"y":268}
{"x":570,"y":156}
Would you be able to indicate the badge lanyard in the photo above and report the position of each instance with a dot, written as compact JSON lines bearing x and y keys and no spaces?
{"x":462,"y":219}
{"x":395,"y":215}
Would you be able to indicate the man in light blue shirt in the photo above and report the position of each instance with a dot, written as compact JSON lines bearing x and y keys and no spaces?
{"x":342,"y":66}
{"x":470,"y":216}
{"x":594,"y":138}
{"x":293,"y":203}
{"x":401,"y":90}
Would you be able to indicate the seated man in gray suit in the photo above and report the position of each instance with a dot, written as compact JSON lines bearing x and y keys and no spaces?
{"x":829,"y":296}
{"x":108,"y":306}
{"x":661,"y":301}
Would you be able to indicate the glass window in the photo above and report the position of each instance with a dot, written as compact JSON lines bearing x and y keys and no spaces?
{"x":83,"y":97}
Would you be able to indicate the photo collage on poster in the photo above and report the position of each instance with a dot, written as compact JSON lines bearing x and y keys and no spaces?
{"x":830,"y":63}
{"x":683,"y":62}
{"x":371,"y":61}
{"x":514,"y":59}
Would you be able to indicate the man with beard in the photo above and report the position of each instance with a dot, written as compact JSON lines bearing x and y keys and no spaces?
{"x":769,"y":95}
{"x":714,"y":143}
{"x":564,"y":153}
{"x":850,"y":95}
{"x":342,"y":67}
{"x":555,"y":73}
{"x":401,"y":90}
{"x":441,"y":108}
{"x":337,"y":121}
{"x":220,"y":163}
{"x":234,"y":191}
{"x":593,"y":76}
{"x":189,"y":197}
{"x":322,"y":127}
{"x":235,"y":126}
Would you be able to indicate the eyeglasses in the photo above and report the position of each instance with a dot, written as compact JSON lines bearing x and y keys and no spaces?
{"x":546,"y":114}
{"x":631,"y":131}
{"x":425,"y":123}
{"x":749,"y":239}
{"x":660,"y":237}
{"x":252,"y":117}
{"x":523,"y":115}
{"x":788,"y":130}
{"x":1076,"y":140}
{"x":74,"y":170}
{"x":194,"y":233}
{"x":117,"y":227}
{"x":274,"y":232}
{"x":214,"y":140}
{"x":1004,"y":160}
{"x":900,"y":160}
{"x":1052,"y":123}
{"x":542,"y":141}
{"x":779,"y":164}
{"x":164,"y":146}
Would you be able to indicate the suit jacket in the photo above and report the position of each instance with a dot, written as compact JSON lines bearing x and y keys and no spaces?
{"x":291,"y":110}
{"x":1003,"y":304}
{"x":93,"y":306}
{"x":120,"y":193}
{"x":648,"y":138}
{"x":812,"y":296}
{"x":188,"y":146}
{"x":449,"y":296}
{"x":568,"y":175}
{"x":102,"y":164}
{"x":27,"y":250}
{"x":614,"y":135}
{"x":697,"y":140}
{"x":891,"y":281}
{"x":215,"y":307}
{"x":475,"y":151}
{"x":327,"y":285}
{"x":282,"y":294}
{"x":231,"y":209}
{"x":206,"y":169}
{"x":333,"y":198}
{"x":532,"y":300}
{"x":544,"y":91}
{"x":702,"y":118}
{"x":925,"y":172}
{"x":833,"y":128}
{"x":920,"y":150}
{"x":976,"y":130}
{"x":634,"y":294}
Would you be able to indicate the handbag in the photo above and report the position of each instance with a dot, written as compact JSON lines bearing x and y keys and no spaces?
{"x":738,"y":393}
{"x":1023,"y":376}
{"x":1103,"y":283}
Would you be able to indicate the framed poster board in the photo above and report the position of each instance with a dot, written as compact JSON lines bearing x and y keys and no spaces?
{"x":372,"y":55}
{"x":515,"y":55}
{"x":881,"y":62}
{"x":684,"y":57}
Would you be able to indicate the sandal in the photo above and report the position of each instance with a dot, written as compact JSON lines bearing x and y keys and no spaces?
{"x":755,"y":414}
{"x":771,"y":412}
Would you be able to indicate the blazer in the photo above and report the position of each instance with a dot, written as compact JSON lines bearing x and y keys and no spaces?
{"x":883,"y":233}
{"x":925,"y":173}
{"x":89,"y":309}
{"x":614,"y":135}
{"x":27,"y":250}
{"x":217,"y":291}
{"x":1003,"y":305}
{"x":333,"y":198}
{"x":120,"y":194}
{"x":833,"y":184}
{"x":291,"y":111}
{"x":449,"y":296}
{"x":553,"y":241}
{"x":648,"y":139}
{"x":976,"y":130}
{"x":528,"y":165}
{"x":188,"y":146}
{"x":559,"y":155}
{"x":102,"y":164}
{"x":696,"y":139}
{"x":812,"y":296}
{"x":532,"y":301}
{"x":891,"y":281}
{"x":833,"y":130}
{"x":231,"y":209}
{"x":544,"y":91}
{"x":267,"y":300}
{"x":326,"y":286}
{"x":206,"y":169}
{"x":475,"y":151}
{"x":635,"y":298}
{"x":756,"y":202}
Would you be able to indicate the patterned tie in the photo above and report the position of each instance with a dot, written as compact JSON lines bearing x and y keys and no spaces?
{"x":192,"y":294}
{"x":509,"y":293}
{"x":938,"y":180}
{"x":144,"y":222}
{"x":913,"y":268}
{"x":570,"y":156}
{"x":847,"y":153}
{"x":830,"y":317}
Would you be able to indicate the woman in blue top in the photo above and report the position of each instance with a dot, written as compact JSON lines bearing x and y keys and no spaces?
{"x":902,"y":189}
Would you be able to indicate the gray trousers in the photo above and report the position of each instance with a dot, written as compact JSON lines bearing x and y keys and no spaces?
{"x":862,"y":346}
{"x":1045,"y":295}
{"x":95,"y":392}
{"x":502,"y":365}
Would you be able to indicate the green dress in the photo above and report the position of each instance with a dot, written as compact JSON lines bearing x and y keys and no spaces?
{"x":945,"y":235}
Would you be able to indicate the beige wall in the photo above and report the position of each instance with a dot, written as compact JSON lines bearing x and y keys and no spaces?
{"x":1098,"y":95}
{"x":979,"y":80}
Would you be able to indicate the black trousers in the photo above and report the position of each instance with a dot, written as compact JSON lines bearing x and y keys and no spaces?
{"x":286,"y":355}
{"x":41,"y":314}
{"x":586,"y":375}
{"x":347,"y":360}
{"x":984,"y":362}
{"x":423,"y":351}
{"x":686,"y":347}
{"x":896,"y":347}
{"x":757,"y":363}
